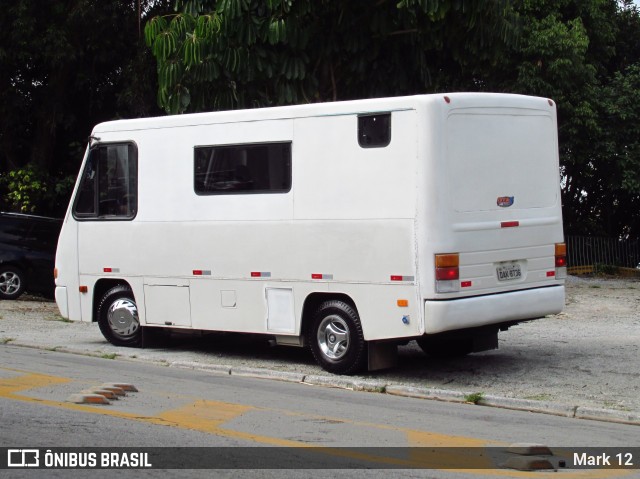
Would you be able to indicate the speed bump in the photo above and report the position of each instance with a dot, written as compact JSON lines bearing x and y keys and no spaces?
{"x":128,"y":387}
{"x":88,"y":399}
{"x":527,"y":457}
{"x":102,"y":392}
{"x":116,"y":390}
{"x":528,"y":463}
{"x":529,"y":449}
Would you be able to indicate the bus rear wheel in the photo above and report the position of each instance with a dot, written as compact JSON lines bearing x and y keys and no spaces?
{"x":118,"y":317}
{"x":336,"y":338}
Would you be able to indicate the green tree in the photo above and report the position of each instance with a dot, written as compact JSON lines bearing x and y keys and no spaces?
{"x":221,"y":54}
{"x":66,"y":65}
{"x":581,"y":53}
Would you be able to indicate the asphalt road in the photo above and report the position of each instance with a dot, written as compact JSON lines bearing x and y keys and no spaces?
{"x":178,"y":407}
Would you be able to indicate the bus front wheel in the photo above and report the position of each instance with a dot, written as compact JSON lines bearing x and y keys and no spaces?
{"x":336,"y":338}
{"x":118,"y":317}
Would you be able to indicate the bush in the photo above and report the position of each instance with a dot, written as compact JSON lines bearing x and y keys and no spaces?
{"x":30,"y":190}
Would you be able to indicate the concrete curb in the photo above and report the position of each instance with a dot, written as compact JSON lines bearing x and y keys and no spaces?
{"x":609,"y":415}
{"x":210,"y":368}
{"x":426,"y":393}
{"x":380,"y":386}
{"x":267,"y":374}
{"x":545,"y":407}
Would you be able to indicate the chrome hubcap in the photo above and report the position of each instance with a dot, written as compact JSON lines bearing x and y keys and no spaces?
{"x":9,"y":282}
{"x":333,"y":337}
{"x":123,"y":318}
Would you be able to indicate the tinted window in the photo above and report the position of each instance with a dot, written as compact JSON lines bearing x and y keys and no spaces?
{"x":24,"y":231}
{"x":255,"y":168}
{"x":12,"y":230}
{"x":374,"y":131}
{"x":109,"y":184}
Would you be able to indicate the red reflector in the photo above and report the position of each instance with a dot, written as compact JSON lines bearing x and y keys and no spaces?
{"x":550,"y":274}
{"x":397,"y":277}
{"x":83,"y":289}
{"x":465,"y":284}
{"x":255,"y":274}
{"x":107,"y":270}
{"x":509,"y":224}
{"x":447,"y":274}
{"x":197,"y":272}
{"x":561,"y":261}
{"x":316,"y":276}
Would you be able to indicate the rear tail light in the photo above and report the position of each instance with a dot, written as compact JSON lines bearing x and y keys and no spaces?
{"x":447,"y":272}
{"x":561,"y":260}
{"x":561,"y":255}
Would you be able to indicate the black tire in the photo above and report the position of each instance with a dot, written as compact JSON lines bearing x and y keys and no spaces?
{"x":336,"y":339}
{"x":12,"y":282}
{"x":445,"y":347}
{"x":118,"y":317}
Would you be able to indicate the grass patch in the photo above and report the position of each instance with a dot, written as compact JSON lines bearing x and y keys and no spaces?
{"x":55,"y":348}
{"x":109,"y":356}
{"x":474,"y":398}
{"x":6,"y":340}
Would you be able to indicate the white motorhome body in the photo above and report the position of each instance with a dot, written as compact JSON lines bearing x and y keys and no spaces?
{"x":349,"y":226}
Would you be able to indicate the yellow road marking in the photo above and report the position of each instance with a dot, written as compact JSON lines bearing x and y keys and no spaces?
{"x":209,"y":416}
{"x":205,"y":416}
{"x":9,"y":386}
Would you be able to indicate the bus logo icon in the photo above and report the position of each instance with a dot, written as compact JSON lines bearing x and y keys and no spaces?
{"x":23,"y":458}
{"x":505,"y":201}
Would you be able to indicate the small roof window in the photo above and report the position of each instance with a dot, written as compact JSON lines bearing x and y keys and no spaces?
{"x":374,"y":130}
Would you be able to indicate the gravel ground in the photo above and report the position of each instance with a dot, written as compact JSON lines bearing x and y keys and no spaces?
{"x":587,"y":356}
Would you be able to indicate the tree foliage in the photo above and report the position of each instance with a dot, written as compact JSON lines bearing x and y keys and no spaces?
{"x":585,"y":55}
{"x":64,"y":66}
{"x":242,"y":53}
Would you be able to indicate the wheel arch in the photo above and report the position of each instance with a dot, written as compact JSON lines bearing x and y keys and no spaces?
{"x":314,"y":300}
{"x":100,"y":288}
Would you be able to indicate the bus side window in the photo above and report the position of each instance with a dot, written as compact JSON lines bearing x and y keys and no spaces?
{"x":242,"y":169}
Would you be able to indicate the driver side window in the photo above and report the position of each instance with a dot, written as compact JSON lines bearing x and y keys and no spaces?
{"x":109,"y":184}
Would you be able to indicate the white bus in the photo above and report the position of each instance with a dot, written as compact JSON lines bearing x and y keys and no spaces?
{"x":348,"y":227}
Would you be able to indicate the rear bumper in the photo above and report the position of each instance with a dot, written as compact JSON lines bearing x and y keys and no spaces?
{"x":477,"y":311}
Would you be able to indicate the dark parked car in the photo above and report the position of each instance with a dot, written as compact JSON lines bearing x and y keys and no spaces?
{"x":27,"y":254}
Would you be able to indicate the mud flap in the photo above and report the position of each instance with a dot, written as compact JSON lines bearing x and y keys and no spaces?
{"x":382,"y":355}
{"x":485,"y":342}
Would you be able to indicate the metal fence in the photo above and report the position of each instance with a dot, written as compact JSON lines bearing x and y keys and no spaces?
{"x":589,"y":251}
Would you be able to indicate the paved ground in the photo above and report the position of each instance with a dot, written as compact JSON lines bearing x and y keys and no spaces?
{"x":584,"y":362}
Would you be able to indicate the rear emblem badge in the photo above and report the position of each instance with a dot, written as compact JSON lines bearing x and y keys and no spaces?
{"x":505,"y":201}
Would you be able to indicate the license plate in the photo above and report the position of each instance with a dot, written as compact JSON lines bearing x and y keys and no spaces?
{"x":509,"y":271}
